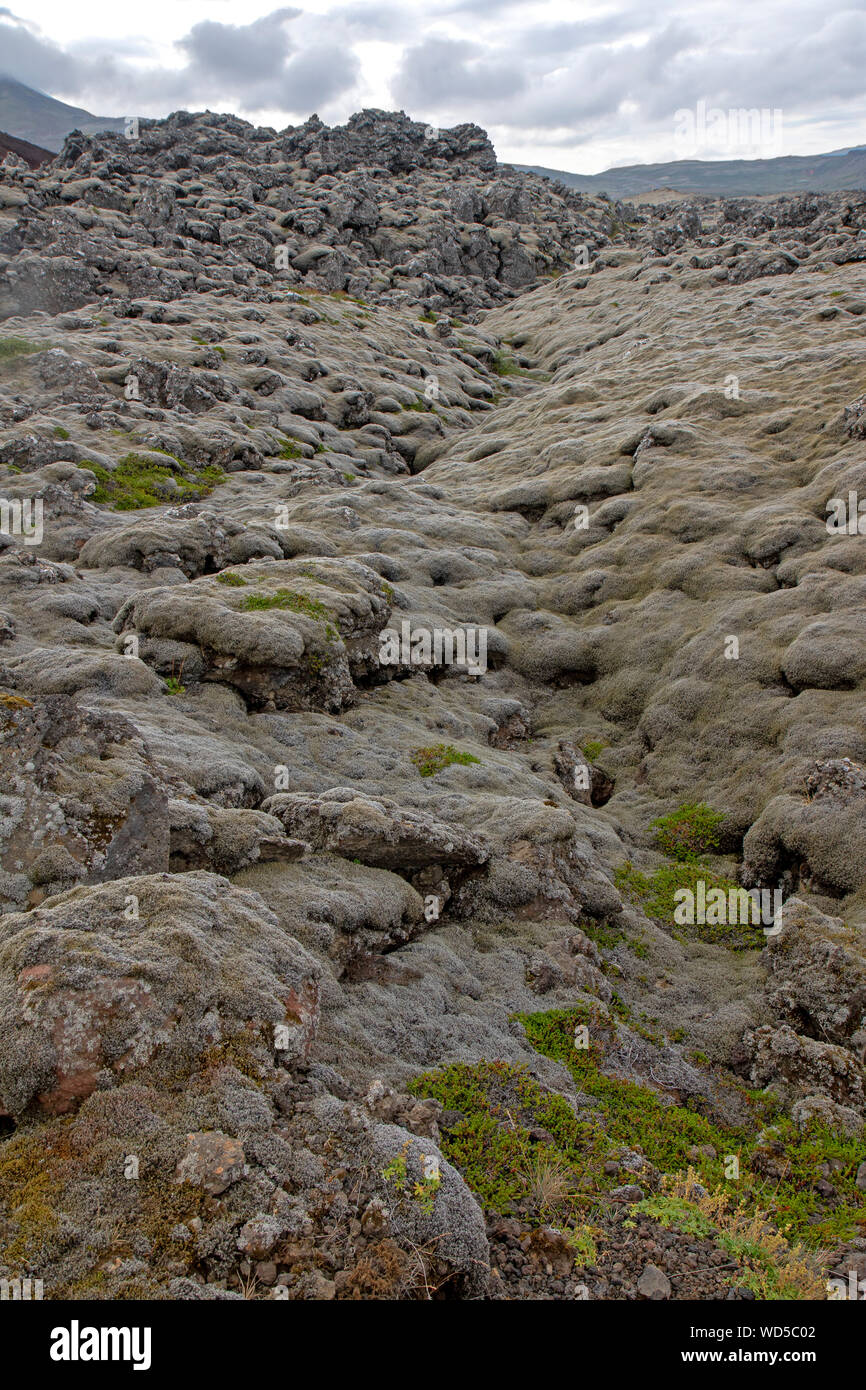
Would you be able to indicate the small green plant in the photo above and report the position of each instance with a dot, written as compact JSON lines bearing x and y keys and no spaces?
{"x":290,"y":450}
{"x":603,"y":934}
{"x":59,"y":432}
{"x":174,"y":683}
{"x":674,"y":1212}
{"x":688,"y":832}
{"x":229,"y":577}
{"x":592,"y":748}
{"x":431,"y":760}
{"x":428,"y":316}
{"x":425,"y":1191}
{"x":396,"y":1170}
{"x":583,"y":1243}
{"x":214,"y":347}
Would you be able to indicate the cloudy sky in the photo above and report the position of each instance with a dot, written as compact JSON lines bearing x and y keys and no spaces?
{"x":564,"y":83}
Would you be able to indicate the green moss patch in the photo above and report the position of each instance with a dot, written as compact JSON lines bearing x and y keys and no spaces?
{"x":504,"y":365}
{"x":137,"y":482}
{"x":10,"y":348}
{"x":286,"y":599}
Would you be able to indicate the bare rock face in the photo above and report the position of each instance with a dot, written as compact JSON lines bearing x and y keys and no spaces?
{"x":816,"y":975}
{"x":213,"y":1161}
{"x":226,"y":840}
{"x":573,"y":961}
{"x":81,"y":800}
{"x":377,"y":832}
{"x":143,"y":976}
{"x":804,"y":1067}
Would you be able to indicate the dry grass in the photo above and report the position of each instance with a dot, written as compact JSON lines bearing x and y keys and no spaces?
{"x":550,"y":1183}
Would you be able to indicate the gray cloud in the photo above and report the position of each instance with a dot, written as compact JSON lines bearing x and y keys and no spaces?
{"x":614,"y":78}
{"x":248,"y":67}
{"x":32,"y":59}
{"x":556,"y":40}
{"x":237,"y":54}
{"x":439,"y":71}
{"x":317,"y":76}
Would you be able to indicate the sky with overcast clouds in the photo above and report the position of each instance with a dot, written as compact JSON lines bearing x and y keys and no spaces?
{"x":564,"y":83}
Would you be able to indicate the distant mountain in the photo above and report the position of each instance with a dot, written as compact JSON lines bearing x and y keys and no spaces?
{"x":819,"y":173}
{"x":42,"y":121}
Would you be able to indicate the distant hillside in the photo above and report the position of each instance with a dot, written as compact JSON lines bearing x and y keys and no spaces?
{"x":34,"y":155}
{"x":42,"y":121}
{"x":827,"y":173}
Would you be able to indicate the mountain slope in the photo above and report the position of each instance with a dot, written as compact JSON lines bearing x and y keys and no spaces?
{"x":728,"y":177}
{"x":41,"y":120}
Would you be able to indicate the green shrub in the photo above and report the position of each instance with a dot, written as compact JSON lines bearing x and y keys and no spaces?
{"x":656,"y":893}
{"x":431,"y":760}
{"x":499,"y":1105}
{"x":691,"y":830}
{"x":592,"y":748}
{"x":640,"y":1118}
